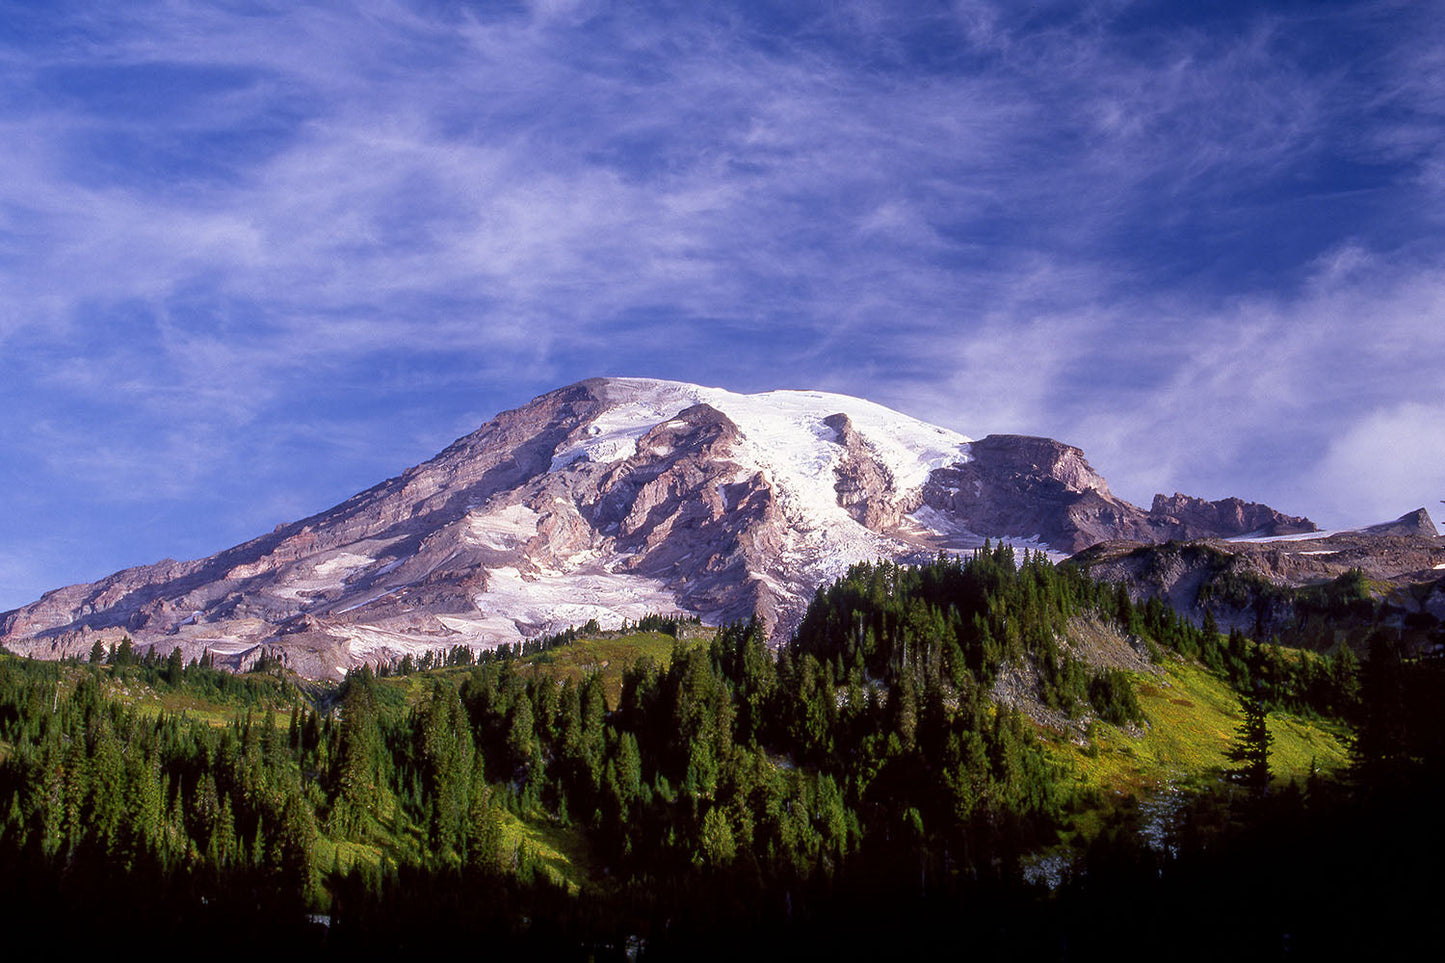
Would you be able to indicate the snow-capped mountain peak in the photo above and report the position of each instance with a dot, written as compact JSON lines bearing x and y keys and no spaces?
{"x":610,"y":499}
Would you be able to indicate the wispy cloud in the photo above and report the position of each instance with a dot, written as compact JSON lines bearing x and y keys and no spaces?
{"x":238,"y":236}
{"x":1261,"y":390}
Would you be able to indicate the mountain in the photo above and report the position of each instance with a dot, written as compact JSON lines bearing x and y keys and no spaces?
{"x":1310,"y":589}
{"x":610,"y":499}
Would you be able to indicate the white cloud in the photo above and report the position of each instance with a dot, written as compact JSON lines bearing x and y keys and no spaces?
{"x":1388,"y":462}
{"x":1255,"y":391}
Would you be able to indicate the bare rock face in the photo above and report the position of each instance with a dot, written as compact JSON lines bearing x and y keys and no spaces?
{"x":1027,"y":487}
{"x":1024,"y":486}
{"x":1417,"y":522}
{"x":1187,"y":517}
{"x":610,"y":499}
{"x":865,"y":486}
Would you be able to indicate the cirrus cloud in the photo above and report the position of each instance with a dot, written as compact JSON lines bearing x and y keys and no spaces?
{"x":253,"y":258}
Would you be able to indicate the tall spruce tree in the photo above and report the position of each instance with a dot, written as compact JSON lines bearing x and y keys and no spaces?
{"x":1250,"y":751}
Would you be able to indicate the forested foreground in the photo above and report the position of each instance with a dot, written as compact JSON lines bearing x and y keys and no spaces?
{"x":855,"y":792}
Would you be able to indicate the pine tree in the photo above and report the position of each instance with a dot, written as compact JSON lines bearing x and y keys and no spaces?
{"x":175,"y":667}
{"x":484,"y":826}
{"x":357,"y":776}
{"x":1250,"y":752}
{"x":1380,"y":747}
{"x":1210,"y":628}
{"x":445,"y":755}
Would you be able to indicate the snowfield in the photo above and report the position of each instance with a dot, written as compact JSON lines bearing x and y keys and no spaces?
{"x":784,"y":438}
{"x":784,"y":427}
{"x":1297,"y":537}
{"x":552,"y":602}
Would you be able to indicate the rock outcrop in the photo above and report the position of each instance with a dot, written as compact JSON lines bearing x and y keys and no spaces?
{"x":1037,"y":487}
{"x":1183,"y":516}
{"x":1417,"y":522}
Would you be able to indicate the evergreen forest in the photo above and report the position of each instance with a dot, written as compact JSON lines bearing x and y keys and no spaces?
{"x":917,"y":766}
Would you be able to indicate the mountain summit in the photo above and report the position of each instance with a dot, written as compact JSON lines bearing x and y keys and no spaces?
{"x":610,"y":499}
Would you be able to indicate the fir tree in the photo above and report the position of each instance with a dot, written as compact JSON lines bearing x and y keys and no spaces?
{"x":1250,"y":752}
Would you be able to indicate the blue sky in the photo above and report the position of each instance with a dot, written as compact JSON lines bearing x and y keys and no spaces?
{"x":255,"y":258}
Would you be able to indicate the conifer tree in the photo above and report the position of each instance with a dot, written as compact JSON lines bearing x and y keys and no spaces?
{"x":484,"y":826}
{"x":1250,"y":751}
{"x":1381,"y":742}
{"x":357,"y":775}
{"x":175,"y":667}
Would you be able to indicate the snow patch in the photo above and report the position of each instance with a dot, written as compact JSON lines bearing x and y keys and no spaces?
{"x":955,"y":536}
{"x":390,"y":566}
{"x":958,"y":539}
{"x":323,"y":577}
{"x":373,"y":643}
{"x":785,"y":440}
{"x":227,"y":646}
{"x":1300,"y":537}
{"x":789,"y":425}
{"x":1033,"y":544}
{"x":491,"y":632}
{"x":613,"y":435}
{"x":503,"y":529}
{"x":515,"y":604}
{"x":343,"y":562}
{"x":369,"y":600}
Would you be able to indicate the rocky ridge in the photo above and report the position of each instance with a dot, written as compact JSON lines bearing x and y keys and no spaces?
{"x":1015,"y":484}
{"x":1247,"y":583}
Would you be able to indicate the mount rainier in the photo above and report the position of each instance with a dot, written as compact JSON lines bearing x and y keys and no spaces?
{"x":610,"y":499}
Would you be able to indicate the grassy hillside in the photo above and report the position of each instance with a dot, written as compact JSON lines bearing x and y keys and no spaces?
{"x":1190,"y":720}
{"x":608,"y":655}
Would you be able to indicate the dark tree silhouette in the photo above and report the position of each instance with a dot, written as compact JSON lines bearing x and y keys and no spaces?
{"x":1250,"y":752}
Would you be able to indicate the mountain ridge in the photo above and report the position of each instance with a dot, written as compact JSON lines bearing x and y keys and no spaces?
{"x":612,"y":498}
{"x":1293,"y":586}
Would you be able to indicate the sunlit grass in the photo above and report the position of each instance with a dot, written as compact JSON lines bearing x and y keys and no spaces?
{"x":343,"y":854}
{"x":608,"y":656}
{"x":1191,"y":718}
{"x":560,"y":851}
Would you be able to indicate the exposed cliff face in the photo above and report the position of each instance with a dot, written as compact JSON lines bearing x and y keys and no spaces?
{"x":865,"y":486}
{"x":1023,"y":486}
{"x":607,"y":499}
{"x":1185,"y":517}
